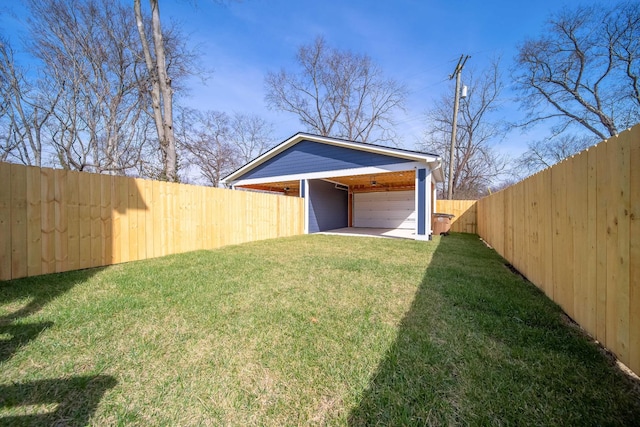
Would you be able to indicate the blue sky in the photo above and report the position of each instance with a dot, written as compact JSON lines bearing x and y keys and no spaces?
{"x":416,"y":42}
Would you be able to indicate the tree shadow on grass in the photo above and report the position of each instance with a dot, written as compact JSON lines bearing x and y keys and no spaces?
{"x":20,"y":335}
{"x":36,"y":292}
{"x":481,"y":346}
{"x":63,"y":402}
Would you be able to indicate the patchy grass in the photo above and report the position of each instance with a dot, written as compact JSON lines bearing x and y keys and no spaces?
{"x":311,"y":330}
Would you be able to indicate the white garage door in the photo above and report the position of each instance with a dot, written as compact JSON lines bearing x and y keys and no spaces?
{"x":387,"y":209}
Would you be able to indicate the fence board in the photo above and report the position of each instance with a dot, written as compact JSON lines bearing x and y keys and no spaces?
{"x":531,"y":240}
{"x":613,"y":253}
{"x":132,"y":215}
{"x":546,"y":226}
{"x":149,"y":233}
{"x":140,"y":211}
{"x":73,"y":225}
{"x":34,"y":220}
{"x":578,"y":209}
{"x":84,"y":219}
{"x":157,"y":214}
{"x":48,"y":216}
{"x":560,"y":240}
{"x":602,"y":194}
{"x":622,"y":215}
{"x":519,"y":231}
{"x":106,"y":221}
{"x":568,"y":221}
{"x":122,"y":239}
{"x":170,"y":226}
{"x":537,"y":218}
{"x":591,"y":261}
{"x":5,"y":221}
{"x":115,"y":221}
{"x":18,"y":221}
{"x":567,"y":285}
{"x":61,"y":231}
{"x":94,"y":215}
{"x":508,"y":214}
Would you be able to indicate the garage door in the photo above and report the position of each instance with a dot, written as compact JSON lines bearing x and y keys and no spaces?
{"x":388,"y":209}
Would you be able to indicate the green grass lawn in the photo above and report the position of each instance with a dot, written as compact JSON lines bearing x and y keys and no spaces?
{"x":310,"y":330}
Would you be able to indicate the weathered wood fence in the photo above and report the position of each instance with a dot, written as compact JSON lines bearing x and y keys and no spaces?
{"x":574,"y":231}
{"x":465,"y":211}
{"x":56,"y":220}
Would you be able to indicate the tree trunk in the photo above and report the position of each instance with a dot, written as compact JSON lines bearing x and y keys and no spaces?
{"x":161,"y":92}
{"x":166,"y":92}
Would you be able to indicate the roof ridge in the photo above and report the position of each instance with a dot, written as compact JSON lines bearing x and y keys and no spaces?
{"x":360,"y":142}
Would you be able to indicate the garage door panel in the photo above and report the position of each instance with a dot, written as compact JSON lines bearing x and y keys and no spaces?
{"x":385,"y":210}
{"x":381,"y":215}
{"x":386,"y":205}
{"x":388,"y":223}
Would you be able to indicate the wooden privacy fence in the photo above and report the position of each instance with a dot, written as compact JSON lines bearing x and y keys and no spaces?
{"x":465,"y":220}
{"x":574,"y":231}
{"x":56,"y":220}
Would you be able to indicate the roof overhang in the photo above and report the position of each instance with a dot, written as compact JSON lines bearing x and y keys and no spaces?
{"x":433,"y":161}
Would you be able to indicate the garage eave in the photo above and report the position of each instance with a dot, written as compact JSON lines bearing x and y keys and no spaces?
{"x":402,"y":156}
{"x":329,"y":174}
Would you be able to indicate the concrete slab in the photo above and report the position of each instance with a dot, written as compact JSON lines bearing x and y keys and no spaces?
{"x":390,"y":233}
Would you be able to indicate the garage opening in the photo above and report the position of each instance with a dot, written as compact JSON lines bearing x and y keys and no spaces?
{"x":381,"y":203}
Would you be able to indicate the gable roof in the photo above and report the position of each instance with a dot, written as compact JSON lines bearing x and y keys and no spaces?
{"x":402,"y":155}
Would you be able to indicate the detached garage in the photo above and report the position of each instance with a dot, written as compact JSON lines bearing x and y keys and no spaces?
{"x":348,"y":184}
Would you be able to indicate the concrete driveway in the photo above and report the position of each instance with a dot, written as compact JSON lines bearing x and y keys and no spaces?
{"x":392,"y":233}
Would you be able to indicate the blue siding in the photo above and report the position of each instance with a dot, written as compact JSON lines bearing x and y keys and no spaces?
{"x":327,"y":206}
{"x":422,"y":201}
{"x":309,"y":157}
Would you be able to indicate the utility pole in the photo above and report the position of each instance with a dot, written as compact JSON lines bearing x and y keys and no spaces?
{"x":456,"y":104}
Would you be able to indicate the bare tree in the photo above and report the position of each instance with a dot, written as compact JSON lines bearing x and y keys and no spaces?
{"x":584,"y":70}
{"x":546,"y":153}
{"x":216,"y":144}
{"x":251,"y":135}
{"x":476,"y":163}
{"x":25,"y":112}
{"x":160,"y":87}
{"x":6,"y":145}
{"x":205,"y":139}
{"x":501,"y":185}
{"x":337,"y":93}
{"x":88,"y":49}
{"x":84,"y":103}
